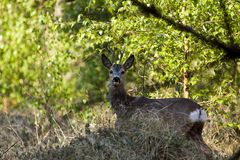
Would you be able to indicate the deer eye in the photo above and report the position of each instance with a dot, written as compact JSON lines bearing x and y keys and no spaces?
{"x":122,"y":72}
{"x":111,"y":72}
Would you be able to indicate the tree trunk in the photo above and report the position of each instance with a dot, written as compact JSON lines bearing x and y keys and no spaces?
{"x":186,"y":72}
{"x":186,"y":84}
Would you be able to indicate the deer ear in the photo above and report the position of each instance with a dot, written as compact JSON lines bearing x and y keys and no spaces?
{"x":129,"y":62}
{"x":106,"y":62}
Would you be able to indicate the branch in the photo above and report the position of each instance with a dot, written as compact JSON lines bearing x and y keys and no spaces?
{"x":2,"y":154}
{"x":232,"y":50}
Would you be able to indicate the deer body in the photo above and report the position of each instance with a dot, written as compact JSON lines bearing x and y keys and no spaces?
{"x":125,"y":105}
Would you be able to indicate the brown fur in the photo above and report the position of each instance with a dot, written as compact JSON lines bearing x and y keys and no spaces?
{"x":125,"y":106}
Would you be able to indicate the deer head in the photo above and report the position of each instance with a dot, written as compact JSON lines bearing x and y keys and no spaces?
{"x":117,"y":70}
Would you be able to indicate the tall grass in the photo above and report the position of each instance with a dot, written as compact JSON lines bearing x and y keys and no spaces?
{"x":143,"y":137}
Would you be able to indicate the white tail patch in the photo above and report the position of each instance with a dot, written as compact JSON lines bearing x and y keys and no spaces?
{"x":198,"y":115}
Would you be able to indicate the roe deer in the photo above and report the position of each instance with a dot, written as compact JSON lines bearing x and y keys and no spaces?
{"x":125,"y":105}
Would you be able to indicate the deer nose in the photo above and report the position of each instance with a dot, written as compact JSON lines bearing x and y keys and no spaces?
{"x":116,"y":79}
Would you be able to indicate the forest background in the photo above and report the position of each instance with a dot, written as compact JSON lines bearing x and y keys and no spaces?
{"x":50,"y":56}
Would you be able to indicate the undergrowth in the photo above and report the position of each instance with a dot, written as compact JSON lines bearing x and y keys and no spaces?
{"x":145,"y":137}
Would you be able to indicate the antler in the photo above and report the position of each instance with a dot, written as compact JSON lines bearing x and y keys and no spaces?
{"x":121,"y":55}
{"x":113,"y":55}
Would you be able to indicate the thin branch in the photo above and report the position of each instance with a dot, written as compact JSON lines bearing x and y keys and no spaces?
{"x":1,"y":156}
{"x":121,"y":54}
{"x":112,"y":52}
{"x":143,"y":78}
{"x":16,"y":133}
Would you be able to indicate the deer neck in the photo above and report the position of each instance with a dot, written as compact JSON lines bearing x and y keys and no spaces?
{"x":119,"y":99}
{"x":117,"y":94}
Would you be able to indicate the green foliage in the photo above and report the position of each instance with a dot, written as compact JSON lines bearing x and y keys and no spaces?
{"x":50,"y":51}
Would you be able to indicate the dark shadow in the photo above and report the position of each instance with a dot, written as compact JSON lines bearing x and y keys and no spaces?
{"x":97,"y":11}
{"x":226,"y":21}
{"x":235,"y":156}
{"x":77,"y":10}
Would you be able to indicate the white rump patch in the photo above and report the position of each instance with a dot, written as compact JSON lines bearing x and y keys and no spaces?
{"x":198,"y":115}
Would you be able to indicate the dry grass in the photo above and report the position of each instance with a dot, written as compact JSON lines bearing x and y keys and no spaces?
{"x":222,"y":140}
{"x":146,"y":136}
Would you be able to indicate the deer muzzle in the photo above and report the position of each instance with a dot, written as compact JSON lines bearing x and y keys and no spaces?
{"x":116,"y":81}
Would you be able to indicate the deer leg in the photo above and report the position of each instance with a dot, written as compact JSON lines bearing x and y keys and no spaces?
{"x":195,"y":133}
